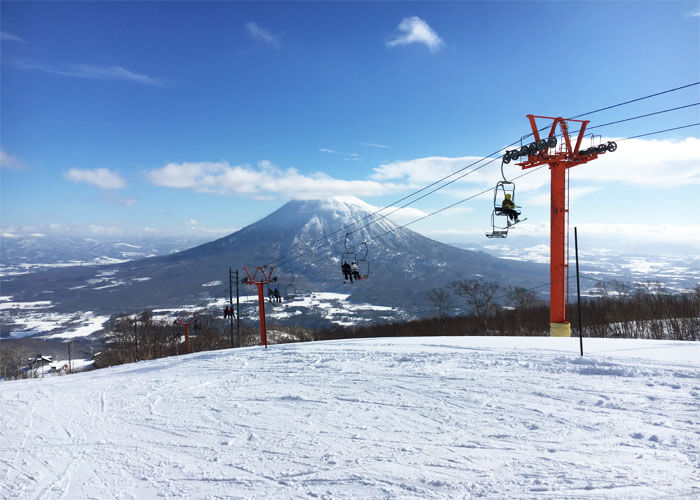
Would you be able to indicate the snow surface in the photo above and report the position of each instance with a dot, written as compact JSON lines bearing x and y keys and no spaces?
{"x":431,"y":417}
{"x":38,"y":318}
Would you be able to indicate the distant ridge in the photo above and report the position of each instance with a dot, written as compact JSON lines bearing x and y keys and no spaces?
{"x":302,"y":236}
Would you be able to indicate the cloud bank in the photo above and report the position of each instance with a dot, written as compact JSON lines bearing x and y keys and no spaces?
{"x":264,"y":182}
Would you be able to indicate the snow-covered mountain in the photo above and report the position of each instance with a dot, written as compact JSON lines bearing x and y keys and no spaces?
{"x":303,"y":237}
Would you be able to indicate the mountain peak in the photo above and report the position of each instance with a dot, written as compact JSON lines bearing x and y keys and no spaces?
{"x":334,"y":203}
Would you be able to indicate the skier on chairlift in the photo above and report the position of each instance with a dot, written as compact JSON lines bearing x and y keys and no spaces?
{"x":355,"y":270}
{"x":347,"y":271}
{"x":508,"y":208}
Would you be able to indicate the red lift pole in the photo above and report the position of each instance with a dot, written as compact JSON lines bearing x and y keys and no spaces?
{"x":263,"y":279}
{"x":186,"y":324}
{"x":560,"y":159}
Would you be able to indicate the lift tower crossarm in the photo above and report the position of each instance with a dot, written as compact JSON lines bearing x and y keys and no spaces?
{"x":568,"y":154}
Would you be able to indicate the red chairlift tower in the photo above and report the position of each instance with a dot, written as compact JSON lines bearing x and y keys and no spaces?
{"x":183,"y":321}
{"x":261,"y":280}
{"x":560,"y":159}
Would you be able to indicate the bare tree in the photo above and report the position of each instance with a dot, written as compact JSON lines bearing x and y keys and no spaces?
{"x":479,"y":295}
{"x":522,"y":298}
{"x":441,"y":299}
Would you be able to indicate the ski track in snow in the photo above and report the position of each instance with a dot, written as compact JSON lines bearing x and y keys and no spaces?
{"x":376,"y":418}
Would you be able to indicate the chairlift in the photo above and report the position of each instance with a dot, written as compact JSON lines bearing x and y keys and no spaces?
{"x":360,"y":259}
{"x":363,"y":263}
{"x":289,"y":289}
{"x":273,"y":289}
{"x":348,"y":255}
{"x":500,"y":227}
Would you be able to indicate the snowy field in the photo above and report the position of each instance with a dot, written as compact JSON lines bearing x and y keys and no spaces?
{"x":439,"y":417}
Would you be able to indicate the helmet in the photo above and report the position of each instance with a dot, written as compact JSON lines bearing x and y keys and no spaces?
{"x":507,"y":196}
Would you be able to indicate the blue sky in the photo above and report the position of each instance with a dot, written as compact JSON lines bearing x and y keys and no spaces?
{"x":180,"y":117}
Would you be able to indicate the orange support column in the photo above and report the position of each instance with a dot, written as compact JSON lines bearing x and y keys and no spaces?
{"x":263,"y":326}
{"x":261,"y":277}
{"x":559,"y":325}
{"x":187,"y":338}
{"x":560,"y":156}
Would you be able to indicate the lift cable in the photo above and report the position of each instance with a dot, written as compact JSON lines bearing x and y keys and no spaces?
{"x":644,"y":116}
{"x":489,"y":190}
{"x":624,"y":103}
{"x":634,"y":118}
{"x":288,"y":258}
{"x":297,"y":255}
{"x":636,"y":100}
{"x":403,"y":199}
{"x":661,"y":131}
{"x":495,"y":153}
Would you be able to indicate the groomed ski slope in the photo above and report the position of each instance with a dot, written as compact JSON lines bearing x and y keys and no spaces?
{"x":432,"y":417}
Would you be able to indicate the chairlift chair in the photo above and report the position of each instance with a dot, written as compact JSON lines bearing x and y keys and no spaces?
{"x":289,"y":289}
{"x":500,"y":229}
{"x":348,"y":255}
{"x":271,"y":288}
{"x":363,"y":263}
{"x":361,"y":260}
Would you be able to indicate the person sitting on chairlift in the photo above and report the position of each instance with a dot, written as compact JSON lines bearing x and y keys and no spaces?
{"x":355,"y":271}
{"x":347,"y":271}
{"x":508,"y":208}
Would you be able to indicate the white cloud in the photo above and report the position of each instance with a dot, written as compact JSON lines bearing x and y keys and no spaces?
{"x":426,"y":170}
{"x":346,"y":156}
{"x":94,"y":72}
{"x":662,"y":163}
{"x":10,"y":162}
{"x":264,"y":182}
{"x":373,"y":145}
{"x":693,"y":13}
{"x":261,"y":35}
{"x":415,"y":30}
{"x":9,"y":37}
{"x":100,"y":177}
{"x":665,"y":163}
